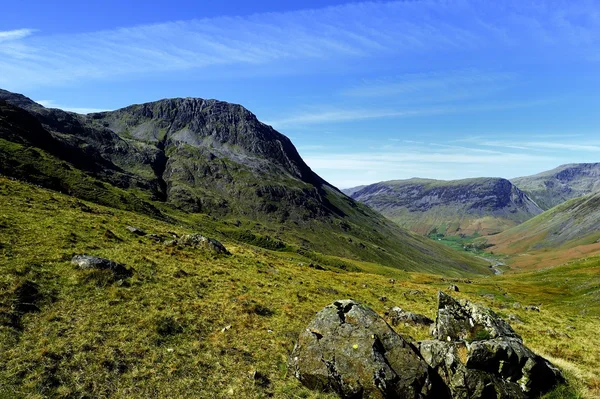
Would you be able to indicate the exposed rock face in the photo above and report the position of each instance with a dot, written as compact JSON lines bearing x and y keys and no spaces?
{"x":478,"y":355}
{"x":351,"y":350}
{"x":483,"y":205}
{"x":398,"y":315}
{"x":94,"y":262}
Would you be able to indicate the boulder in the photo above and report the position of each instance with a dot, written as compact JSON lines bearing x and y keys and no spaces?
{"x":93,"y":262}
{"x":462,"y":320}
{"x":478,"y":355}
{"x":397,"y":316}
{"x":351,"y":350}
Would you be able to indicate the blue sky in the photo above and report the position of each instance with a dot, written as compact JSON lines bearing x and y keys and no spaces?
{"x":368,"y":91}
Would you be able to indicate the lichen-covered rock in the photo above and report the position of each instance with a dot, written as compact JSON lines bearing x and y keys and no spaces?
{"x":398,"y":315}
{"x":478,"y":355}
{"x":459,"y":320}
{"x":94,"y":262}
{"x":449,"y":360}
{"x":351,"y":350}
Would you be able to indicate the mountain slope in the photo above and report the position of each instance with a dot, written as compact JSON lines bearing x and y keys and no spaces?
{"x":558,"y":185}
{"x":568,"y":231}
{"x":192,"y":156}
{"x":469,"y":206}
{"x":191,"y":324}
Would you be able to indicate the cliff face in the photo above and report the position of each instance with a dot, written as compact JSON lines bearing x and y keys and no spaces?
{"x":558,"y":185}
{"x":485,"y":205}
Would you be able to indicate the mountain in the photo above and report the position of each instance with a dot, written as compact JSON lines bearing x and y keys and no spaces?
{"x":568,"y":231}
{"x":193,"y":157}
{"x":469,"y":206}
{"x":558,"y":185}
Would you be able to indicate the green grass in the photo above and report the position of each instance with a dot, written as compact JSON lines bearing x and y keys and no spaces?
{"x":159,"y":334}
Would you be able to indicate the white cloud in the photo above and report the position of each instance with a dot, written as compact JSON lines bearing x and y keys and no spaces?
{"x":15,"y":34}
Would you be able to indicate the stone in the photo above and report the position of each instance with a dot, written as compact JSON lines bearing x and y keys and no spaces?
{"x":136,"y":231}
{"x":463,"y":320}
{"x":397,"y":316}
{"x":532,"y":308}
{"x":94,"y":262}
{"x":453,"y":288}
{"x":349,"y":349}
{"x":478,"y":355}
{"x":198,"y":240}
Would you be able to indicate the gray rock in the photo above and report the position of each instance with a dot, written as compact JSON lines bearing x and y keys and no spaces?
{"x":136,"y":231}
{"x":397,"y":316}
{"x":351,"y":350}
{"x":93,"y":262}
{"x":459,"y":320}
{"x":532,"y":308}
{"x":453,"y":288}
{"x":478,"y":355}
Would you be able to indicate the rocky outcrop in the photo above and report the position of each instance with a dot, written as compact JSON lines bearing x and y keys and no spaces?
{"x":351,"y":350}
{"x":478,"y":355}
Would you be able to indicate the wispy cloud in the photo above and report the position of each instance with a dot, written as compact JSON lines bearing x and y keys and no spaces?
{"x":79,"y":110}
{"x":357,"y":30}
{"x":540,"y":146}
{"x":15,"y":34}
{"x":461,"y":84}
{"x":356,"y":114}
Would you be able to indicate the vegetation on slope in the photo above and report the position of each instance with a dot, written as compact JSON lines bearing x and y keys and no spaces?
{"x":189,"y":324}
{"x":566,"y":232}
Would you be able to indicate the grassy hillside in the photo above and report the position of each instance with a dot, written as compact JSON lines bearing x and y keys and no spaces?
{"x":455,"y":207}
{"x":566,"y":232}
{"x":189,"y":324}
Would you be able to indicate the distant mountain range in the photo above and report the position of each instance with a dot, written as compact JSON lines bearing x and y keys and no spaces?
{"x":195,"y":156}
{"x":476,"y":206}
{"x":469,"y":206}
{"x":563,"y":183}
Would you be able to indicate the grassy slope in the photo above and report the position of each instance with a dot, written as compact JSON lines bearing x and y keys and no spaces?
{"x":566,"y":232}
{"x":161,"y":336}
